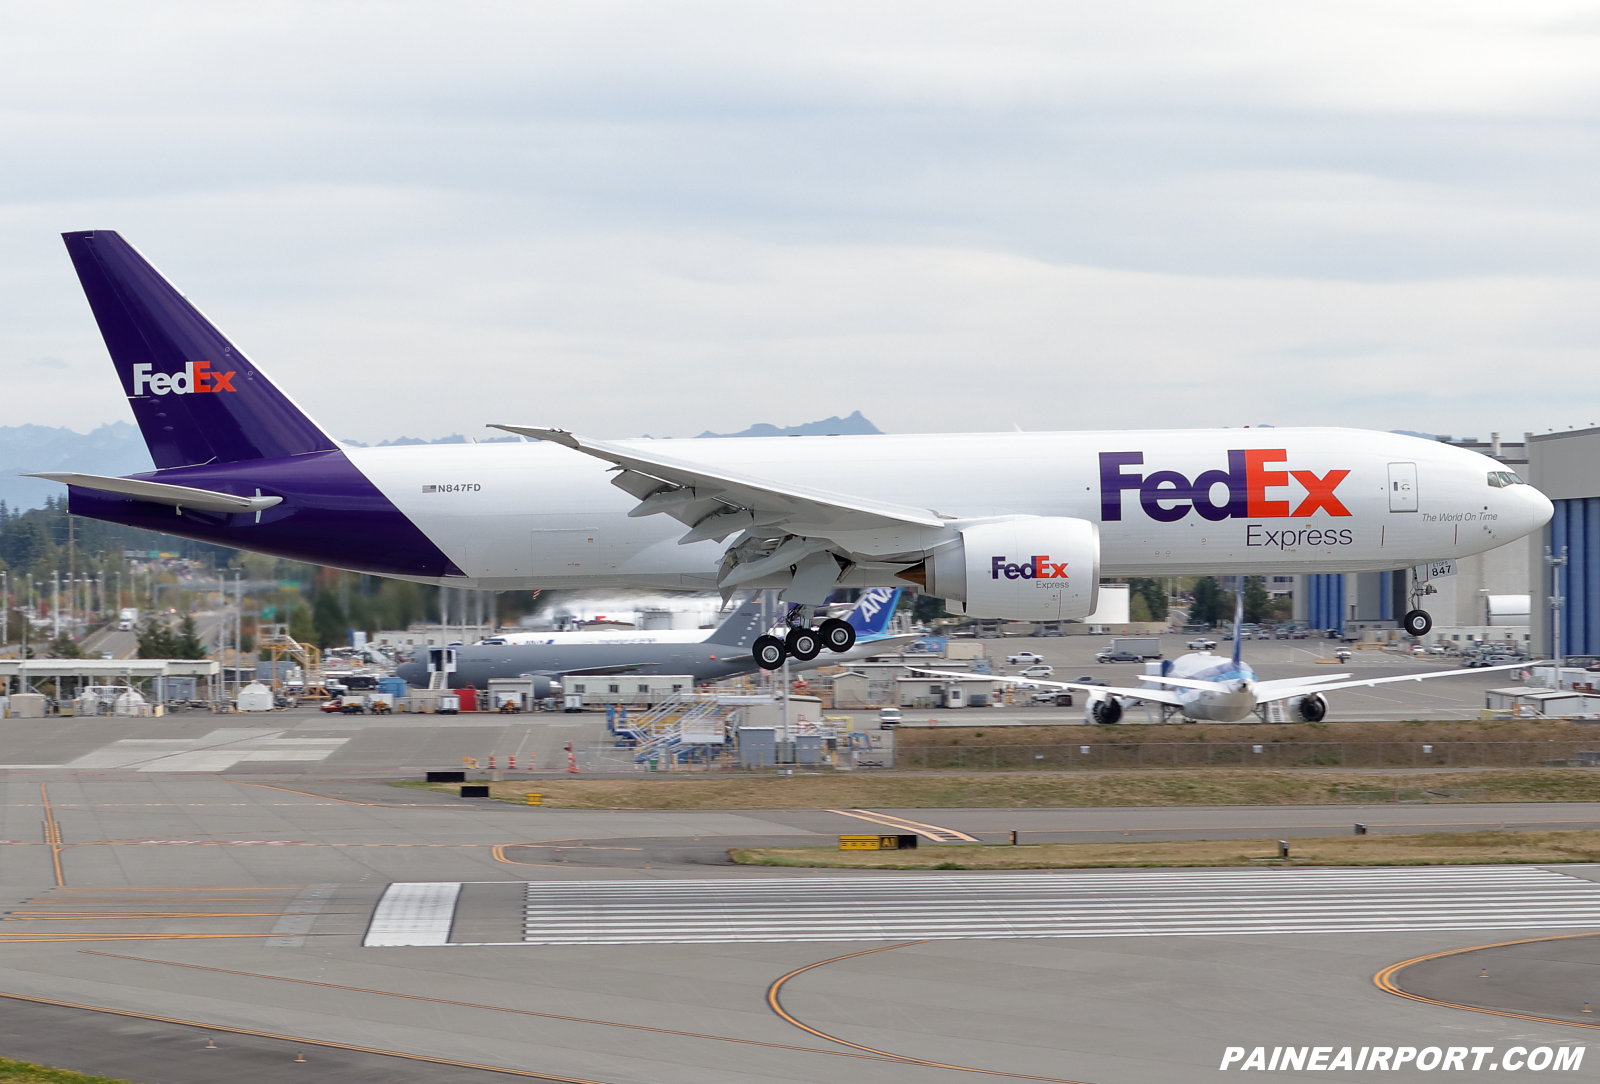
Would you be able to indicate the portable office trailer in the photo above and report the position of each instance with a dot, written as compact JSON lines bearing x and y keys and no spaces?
{"x":634,"y":690}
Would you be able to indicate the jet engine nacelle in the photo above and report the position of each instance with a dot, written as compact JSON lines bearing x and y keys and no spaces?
{"x":1023,"y":568}
{"x":1308,"y":709}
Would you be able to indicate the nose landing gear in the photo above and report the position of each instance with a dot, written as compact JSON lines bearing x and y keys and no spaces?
{"x":1417,"y":622}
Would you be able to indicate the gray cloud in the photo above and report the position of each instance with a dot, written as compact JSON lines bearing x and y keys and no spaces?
{"x":630,"y":217}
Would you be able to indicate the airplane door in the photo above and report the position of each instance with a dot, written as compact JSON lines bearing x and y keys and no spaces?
{"x":1402,"y":487}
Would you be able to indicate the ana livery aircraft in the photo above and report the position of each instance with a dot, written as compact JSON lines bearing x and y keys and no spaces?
{"x":1204,"y":688}
{"x":711,"y":655}
{"x":1012,"y":525}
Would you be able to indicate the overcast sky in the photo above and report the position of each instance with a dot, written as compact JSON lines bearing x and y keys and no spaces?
{"x":626,"y":218}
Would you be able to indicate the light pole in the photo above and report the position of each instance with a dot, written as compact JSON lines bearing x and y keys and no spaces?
{"x":1556,"y":602}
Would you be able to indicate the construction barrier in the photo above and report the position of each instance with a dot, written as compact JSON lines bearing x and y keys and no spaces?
{"x":878,"y":843}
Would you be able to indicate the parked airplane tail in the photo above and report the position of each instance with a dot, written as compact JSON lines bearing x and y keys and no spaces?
{"x":196,"y":397}
{"x":873,"y":611}
{"x":741,"y":627}
{"x":1238,"y":622}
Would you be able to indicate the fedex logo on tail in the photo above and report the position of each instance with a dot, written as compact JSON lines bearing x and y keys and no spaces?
{"x":1253,"y":491}
{"x":197,"y":378}
{"x":1034,"y":568}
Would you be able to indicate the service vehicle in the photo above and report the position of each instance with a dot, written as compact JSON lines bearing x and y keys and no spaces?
{"x":888,"y":717}
{"x":1118,"y":655}
{"x":1202,"y":643}
{"x":1024,"y":657}
{"x":1040,"y":671}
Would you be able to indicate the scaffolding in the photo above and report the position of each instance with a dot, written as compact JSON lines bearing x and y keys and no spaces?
{"x":277,"y":643}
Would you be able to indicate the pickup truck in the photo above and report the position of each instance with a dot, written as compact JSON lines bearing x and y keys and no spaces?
{"x":1202,"y":643}
{"x":1117,"y":655}
{"x":1026,"y":657}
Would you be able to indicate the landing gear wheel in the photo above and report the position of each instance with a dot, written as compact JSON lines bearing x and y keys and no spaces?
{"x":803,"y":644}
{"x":837,"y":635}
{"x":769,"y":652}
{"x":1417,"y":622}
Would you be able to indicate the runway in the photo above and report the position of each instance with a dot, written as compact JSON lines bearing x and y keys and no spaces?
{"x":978,"y":905}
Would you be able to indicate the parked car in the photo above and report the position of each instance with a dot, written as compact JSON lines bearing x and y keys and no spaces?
{"x":1026,"y":657}
{"x":1343,"y":654}
{"x":1040,"y":671}
{"x":1202,"y":643}
{"x":1062,"y":699}
{"x":1117,"y":656}
{"x":1089,"y":679}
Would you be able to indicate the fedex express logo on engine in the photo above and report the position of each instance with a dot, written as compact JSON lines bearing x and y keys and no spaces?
{"x":1034,"y":568}
{"x":197,"y":378}
{"x":1168,"y":496}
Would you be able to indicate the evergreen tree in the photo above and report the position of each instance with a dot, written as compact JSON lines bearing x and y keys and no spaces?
{"x":1207,"y":607}
{"x":65,"y":647}
{"x":186,"y":644}
{"x":1154,"y":596}
{"x":157,"y":642}
{"x":332,"y":628}
{"x":1255,"y":598}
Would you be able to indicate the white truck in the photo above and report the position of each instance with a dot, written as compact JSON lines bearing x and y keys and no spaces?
{"x":1142,"y":647}
{"x":127,"y":618}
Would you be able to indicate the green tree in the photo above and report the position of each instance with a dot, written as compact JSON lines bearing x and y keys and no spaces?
{"x":186,"y":644}
{"x":328,"y":619}
{"x":927,"y":608}
{"x":1207,"y":607}
{"x":1255,"y":597}
{"x":1154,"y":596}
{"x":300,"y":627}
{"x":65,"y":647}
{"x":157,"y":642}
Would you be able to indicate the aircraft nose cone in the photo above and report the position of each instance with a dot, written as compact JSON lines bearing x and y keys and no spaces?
{"x":412,"y":673}
{"x":1540,"y":508}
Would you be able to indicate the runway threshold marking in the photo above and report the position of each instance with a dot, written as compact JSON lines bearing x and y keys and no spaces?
{"x":502,"y":1008}
{"x":224,"y":1029}
{"x":933,"y":832}
{"x":1384,"y":980}
{"x":775,"y":1003}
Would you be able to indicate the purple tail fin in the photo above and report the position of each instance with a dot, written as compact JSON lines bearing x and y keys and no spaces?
{"x":196,"y":397}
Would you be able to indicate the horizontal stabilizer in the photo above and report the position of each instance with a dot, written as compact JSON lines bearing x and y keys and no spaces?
{"x":204,"y":500}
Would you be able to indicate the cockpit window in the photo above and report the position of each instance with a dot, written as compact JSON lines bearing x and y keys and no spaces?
{"x":1513,"y":480}
{"x":1495,"y":479}
{"x":1498,"y":479}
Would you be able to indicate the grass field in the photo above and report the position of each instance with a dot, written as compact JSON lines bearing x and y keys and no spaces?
{"x":1024,"y":790}
{"x":22,"y":1072}
{"x":1432,"y":849}
{"x":1497,"y":730}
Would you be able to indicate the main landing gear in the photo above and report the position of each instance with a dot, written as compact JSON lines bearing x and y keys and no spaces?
{"x":803,"y":643}
{"x":1417,"y":623}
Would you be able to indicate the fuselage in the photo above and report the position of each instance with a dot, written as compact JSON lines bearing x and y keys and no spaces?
{"x":508,"y":516}
{"x":1229,"y":702}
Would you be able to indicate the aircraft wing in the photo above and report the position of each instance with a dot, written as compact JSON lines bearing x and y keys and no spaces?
{"x":1287,"y":687}
{"x":590,"y":671}
{"x":715,"y":503}
{"x":1155,"y":696}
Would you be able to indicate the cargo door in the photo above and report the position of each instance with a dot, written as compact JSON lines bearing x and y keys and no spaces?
{"x":1402,"y":487}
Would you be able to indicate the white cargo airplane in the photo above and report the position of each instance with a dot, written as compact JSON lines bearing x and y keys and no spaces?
{"x":1009,"y":525}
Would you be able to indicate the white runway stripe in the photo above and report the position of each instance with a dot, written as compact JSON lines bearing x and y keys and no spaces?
{"x":416,"y":913}
{"x":1110,"y":904}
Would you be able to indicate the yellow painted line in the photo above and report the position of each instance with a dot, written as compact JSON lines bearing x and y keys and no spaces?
{"x":323,"y":1043}
{"x":776,"y":1005}
{"x":1384,"y":980}
{"x":932,"y":831}
{"x":104,"y":916}
{"x":52,"y":834}
{"x":496,"y":1008}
